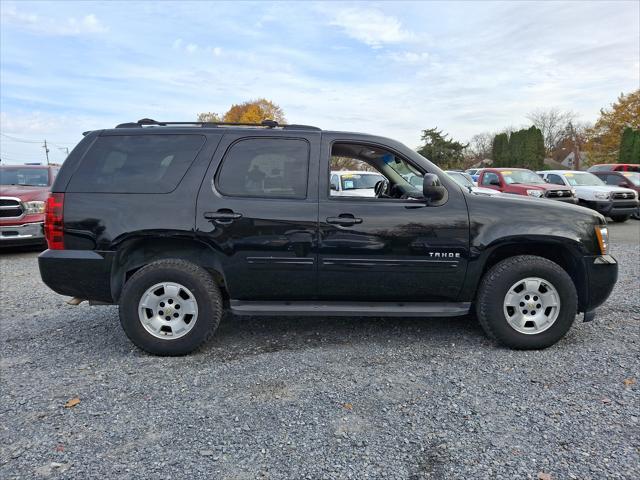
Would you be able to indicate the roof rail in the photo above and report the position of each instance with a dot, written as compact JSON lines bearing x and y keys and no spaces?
{"x":148,"y":122}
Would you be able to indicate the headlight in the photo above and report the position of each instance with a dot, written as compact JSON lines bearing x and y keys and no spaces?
{"x":602,"y":232}
{"x":573,"y":192}
{"x":33,"y":207}
{"x":602,"y":195}
{"x":534,"y":193}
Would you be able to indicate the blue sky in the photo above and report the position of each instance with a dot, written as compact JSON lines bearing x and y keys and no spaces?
{"x":386,"y":68}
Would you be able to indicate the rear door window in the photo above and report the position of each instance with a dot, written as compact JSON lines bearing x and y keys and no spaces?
{"x":265,"y":167}
{"x":136,"y":163}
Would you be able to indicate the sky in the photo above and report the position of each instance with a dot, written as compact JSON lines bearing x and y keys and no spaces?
{"x":388,"y":68}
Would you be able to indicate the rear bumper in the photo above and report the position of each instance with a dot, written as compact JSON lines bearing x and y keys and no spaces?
{"x":25,"y":234}
{"x":602,"y":275}
{"x":78,"y":273}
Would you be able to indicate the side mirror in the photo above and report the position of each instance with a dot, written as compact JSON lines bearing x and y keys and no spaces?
{"x":432,"y":189}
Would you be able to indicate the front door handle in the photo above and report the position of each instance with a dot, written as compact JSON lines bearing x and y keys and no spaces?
{"x":224,"y":216}
{"x":344,"y":220}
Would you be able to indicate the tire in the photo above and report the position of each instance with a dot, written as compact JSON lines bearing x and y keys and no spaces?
{"x":620,"y":218}
{"x":492,"y":309}
{"x":185,"y":283}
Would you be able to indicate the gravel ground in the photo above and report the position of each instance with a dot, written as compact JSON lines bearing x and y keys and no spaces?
{"x":316,"y":397}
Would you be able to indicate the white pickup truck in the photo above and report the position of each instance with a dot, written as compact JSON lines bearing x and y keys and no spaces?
{"x":615,"y":202}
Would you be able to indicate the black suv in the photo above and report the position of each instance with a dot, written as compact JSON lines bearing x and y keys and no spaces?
{"x":177,"y":221}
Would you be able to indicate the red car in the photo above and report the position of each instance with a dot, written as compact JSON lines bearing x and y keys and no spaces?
{"x":521,"y":181}
{"x":626,"y":179}
{"x":615,"y":167}
{"x":23,"y":193}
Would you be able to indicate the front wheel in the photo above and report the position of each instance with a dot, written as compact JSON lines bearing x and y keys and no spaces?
{"x":526,"y":302}
{"x":170,"y":307}
{"x":620,"y":218}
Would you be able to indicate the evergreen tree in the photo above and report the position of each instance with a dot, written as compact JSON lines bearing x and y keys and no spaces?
{"x":627,"y":145}
{"x":635,"y":151}
{"x":500,"y":150}
{"x":444,"y":152}
{"x":516,"y":148}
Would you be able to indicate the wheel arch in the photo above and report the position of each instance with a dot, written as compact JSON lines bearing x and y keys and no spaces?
{"x":567,"y":254}
{"x":135,"y":253}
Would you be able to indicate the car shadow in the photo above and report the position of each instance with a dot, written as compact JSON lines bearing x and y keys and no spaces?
{"x":239,"y":337}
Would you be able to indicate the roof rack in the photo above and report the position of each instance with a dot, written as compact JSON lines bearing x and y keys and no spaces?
{"x":148,"y":122}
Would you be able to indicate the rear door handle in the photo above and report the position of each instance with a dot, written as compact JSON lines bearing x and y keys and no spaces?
{"x":344,"y":220}
{"x":223,"y":216}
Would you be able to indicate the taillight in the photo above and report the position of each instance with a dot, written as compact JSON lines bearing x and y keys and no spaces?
{"x":53,"y":221}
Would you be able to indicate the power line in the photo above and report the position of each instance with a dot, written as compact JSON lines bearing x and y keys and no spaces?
{"x":24,"y":140}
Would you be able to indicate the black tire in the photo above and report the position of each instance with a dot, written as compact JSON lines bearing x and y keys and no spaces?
{"x":495,"y":285}
{"x":197,"y":280}
{"x":620,"y":218}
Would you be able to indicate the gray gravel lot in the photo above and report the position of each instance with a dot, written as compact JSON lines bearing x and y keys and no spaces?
{"x":316,"y":397}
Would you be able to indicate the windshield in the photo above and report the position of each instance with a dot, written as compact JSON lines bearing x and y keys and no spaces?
{"x":354,"y":181}
{"x":633,"y":177}
{"x":583,"y":179}
{"x":521,"y":176}
{"x":460,"y":179}
{"x":34,"y":177}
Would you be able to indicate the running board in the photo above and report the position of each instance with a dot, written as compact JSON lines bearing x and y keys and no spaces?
{"x":356,"y":309}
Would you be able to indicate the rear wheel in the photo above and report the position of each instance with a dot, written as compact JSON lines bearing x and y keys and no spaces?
{"x":170,"y":307}
{"x":526,"y":302}
{"x":620,"y":218}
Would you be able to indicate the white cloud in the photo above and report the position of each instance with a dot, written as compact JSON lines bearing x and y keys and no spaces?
{"x":371,"y":27}
{"x":217,"y":51}
{"x":409,"y":58}
{"x":191,"y":48}
{"x":72,"y":26}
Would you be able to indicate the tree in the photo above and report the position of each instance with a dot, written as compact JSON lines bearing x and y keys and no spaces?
{"x":500,"y":150}
{"x":480,"y":146}
{"x":209,"y":117}
{"x":252,"y":111}
{"x":629,"y":146}
{"x":553,"y":124}
{"x":603,"y":143}
{"x":446,"y":153}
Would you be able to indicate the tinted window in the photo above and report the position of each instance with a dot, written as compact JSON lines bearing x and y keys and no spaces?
{"x":265,"y":167}
{"x":613,"y":180}
{"x":136,"y":163}
{"x":555,"y":179}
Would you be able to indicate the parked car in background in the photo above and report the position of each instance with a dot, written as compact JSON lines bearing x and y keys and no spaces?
{"x":475,"y":173}
{"x":464,"y":180}
{"x":23,"y":193}
{"x":615,"y":167}
{"x":615,"y":202}
{"x":622,"y":179}
{"x":521,"y":181}
{"x":354,"y":183}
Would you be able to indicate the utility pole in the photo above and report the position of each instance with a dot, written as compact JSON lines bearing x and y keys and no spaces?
{"x":46,"y":150}
{"x":576,"y":147}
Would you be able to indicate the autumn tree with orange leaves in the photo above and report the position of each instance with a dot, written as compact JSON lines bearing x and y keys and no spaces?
{"x":252,"y":111}
{"x":604,"y":138}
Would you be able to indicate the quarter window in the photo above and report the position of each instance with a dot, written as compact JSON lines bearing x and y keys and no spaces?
{"x":136,"y":163}
{"x":265,"y":167}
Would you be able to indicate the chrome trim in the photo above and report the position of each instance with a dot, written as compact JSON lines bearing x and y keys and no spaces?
{"x":7,"y":207}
